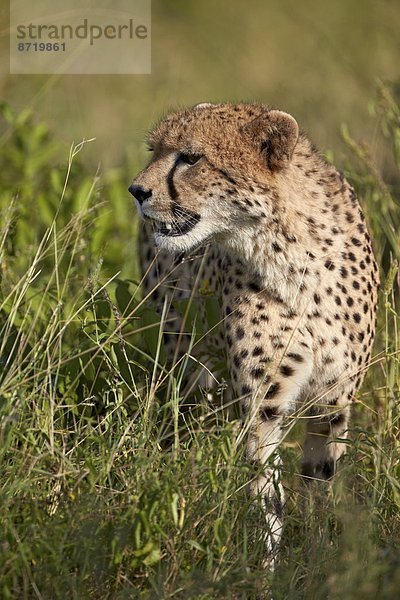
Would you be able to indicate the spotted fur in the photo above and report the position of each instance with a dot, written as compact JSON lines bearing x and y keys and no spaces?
{"x":238,"y":194}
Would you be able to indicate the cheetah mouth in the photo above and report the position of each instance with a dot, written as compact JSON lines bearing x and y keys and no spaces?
{"x":176,"y":228}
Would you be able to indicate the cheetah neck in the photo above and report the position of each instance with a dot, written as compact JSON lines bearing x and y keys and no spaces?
{"x":279,"y":264}
{"x":301,"y":231}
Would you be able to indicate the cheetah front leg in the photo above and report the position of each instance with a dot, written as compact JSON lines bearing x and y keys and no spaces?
{"x":271,"y":379}
{"x":263,"y":441}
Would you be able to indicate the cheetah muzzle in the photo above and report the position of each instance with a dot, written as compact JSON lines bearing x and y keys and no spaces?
{"x":184,"y":219}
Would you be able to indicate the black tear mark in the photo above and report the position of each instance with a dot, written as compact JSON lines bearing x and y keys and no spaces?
{"x":173,"y":192}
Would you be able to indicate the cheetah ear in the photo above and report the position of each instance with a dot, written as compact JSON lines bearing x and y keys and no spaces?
{"x":203,"y":105}
{"x":275,"y":133}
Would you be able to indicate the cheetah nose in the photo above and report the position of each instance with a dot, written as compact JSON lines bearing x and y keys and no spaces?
{"x":139,"y":193}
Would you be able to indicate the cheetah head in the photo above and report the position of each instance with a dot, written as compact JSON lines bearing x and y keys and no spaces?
{"x":212,"y":172}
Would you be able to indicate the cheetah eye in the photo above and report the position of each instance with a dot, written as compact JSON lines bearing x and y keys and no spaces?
{"x":189,"y":159}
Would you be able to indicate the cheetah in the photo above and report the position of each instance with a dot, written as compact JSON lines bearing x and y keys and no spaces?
{"x":236,"y":196}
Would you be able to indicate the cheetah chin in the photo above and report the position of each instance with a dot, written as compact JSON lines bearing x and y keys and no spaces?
{"x":175,"y":229}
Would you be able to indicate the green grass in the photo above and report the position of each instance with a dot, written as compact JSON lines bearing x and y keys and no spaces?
{"x":110,"y":490}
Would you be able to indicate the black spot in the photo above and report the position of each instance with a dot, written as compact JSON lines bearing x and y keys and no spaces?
{"x":296,"y":357}
{"x":355,"y":241}
{"x":277,"y":344}
{"x":257,"y":372}
{"x":228,"y":177}
{"x":338,"y":300}
{"x":317,"y":299}
{"x":258,"y":350}
{"x":265,"y":359}
{"x":337,"y":420}
{"x":240,"y":333}
{"x":350,"y":301}
{"x":356,"y":285}
{"x":286,"y":370}
{"x":237,"y":361}
{"x":254,"y":286}
{"x":329,"y":265}
{"x":290,"y":238}
{"x":267,"y":413}
{"x":357,"y":317}
{"x":276,"y":247}
{"x":246,"y":389}
{"x":273,"y":390}
{"x":343,"y":271}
